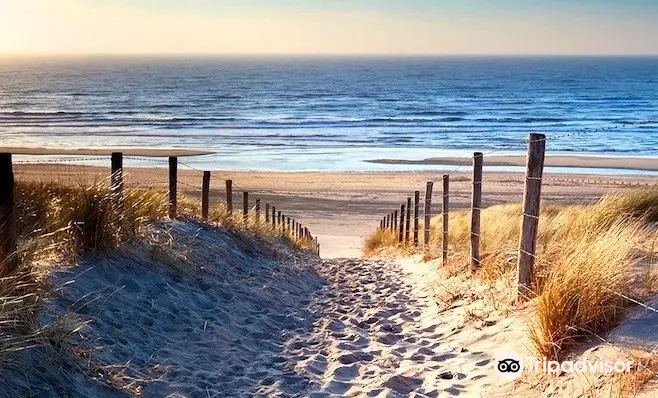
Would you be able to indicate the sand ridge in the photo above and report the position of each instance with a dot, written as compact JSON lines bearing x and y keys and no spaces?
{"x":604,"y":162}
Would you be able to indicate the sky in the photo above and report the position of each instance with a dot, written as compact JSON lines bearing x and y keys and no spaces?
{"x":370,"y":27}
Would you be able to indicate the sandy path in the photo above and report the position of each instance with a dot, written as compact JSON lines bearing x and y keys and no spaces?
{"x":378,"y":334}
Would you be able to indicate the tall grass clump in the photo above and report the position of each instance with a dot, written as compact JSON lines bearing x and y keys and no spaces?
{"x":587,"y":258}
{"x":58,"y":219}
{"x":80,"y":218}
{"x":581,"y":290}
{"x":381,"y":239}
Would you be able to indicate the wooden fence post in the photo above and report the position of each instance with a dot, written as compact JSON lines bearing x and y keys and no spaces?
{"x":116,"y":181}
{"x":258,"y":210}
{"x":531,"y":206}
{"x":173,"y":187}
{"x":7,"y":216}
{"x":288,"y":224}
{"x":274,"y":216}
{"x":445,"y":216}
{"x":267,"y":213}
{"x":476,"y":205}
{"x":388,"y":221}
{"x":416,"y":216}
{"x":245,"y":206}
{"x":395,"y":221}
{"x":278,"y":220}
{"x":205,"y":195}
{"x":401,"y":232}
{"x":408,"y":221}
{"x":229,"y":196}
{"x":428,"y":212}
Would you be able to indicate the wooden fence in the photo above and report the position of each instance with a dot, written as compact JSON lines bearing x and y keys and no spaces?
{"x":529,"y":222}
{"x":8,"y":240}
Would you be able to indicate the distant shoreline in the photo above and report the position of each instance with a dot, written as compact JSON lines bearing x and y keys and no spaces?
{"x":619,"y":163}
{"x":145,"y":152}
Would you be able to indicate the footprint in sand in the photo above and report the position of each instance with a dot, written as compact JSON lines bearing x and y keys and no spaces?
{"x":403,"y":384}
{"x":346,"y":372}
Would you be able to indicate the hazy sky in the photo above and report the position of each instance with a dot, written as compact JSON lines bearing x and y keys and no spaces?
{"x":329,"y":26}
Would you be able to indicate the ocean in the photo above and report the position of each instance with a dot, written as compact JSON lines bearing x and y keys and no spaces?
{"x":332,"y":113}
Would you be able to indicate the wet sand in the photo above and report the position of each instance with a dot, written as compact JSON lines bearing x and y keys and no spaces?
{"x":598,"y":162}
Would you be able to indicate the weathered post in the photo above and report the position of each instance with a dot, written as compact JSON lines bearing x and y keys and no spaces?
{"x":274,"y":216}
{"x":173,"y":186}
{"x":7,"y":216}
{"x":395,"y":221}
{"x":476,"y":205}
{"x":288,"y":224}
{"x":408,"y":221}
{"x":229,"y":196}
{"x":445,"y":216}
{"x":205,"y":195}
{"x":531,"y":206}
{"x":401,"y":232}
{"x":416,"y":216}
{"x":278,"y":220}
{"x":116,"y":182}
{"x":267,"y":213}
{"x":388,"y":221}
{"x":428,"y":212}
{"x":258,"y":210}
{"x":245,"y":206}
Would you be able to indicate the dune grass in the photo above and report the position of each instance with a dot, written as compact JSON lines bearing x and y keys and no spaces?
{"x":57,"y":222}
{"x":587,"y":257}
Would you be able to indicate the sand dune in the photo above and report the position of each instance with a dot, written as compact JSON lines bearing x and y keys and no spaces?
{"x":201,"y":314}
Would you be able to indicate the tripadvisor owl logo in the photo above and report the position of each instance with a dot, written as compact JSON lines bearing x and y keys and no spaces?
{"x":509,"y":366}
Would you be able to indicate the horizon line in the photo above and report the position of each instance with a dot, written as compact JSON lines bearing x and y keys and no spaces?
{"x":319,"y":55}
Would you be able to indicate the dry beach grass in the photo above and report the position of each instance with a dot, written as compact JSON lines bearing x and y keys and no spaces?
{"x":588,"y":257}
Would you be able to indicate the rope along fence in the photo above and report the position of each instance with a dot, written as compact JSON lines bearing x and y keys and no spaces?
{"x":252,"y":211}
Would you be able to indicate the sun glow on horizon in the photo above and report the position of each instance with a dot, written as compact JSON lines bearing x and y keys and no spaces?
{"x":294,"y":27}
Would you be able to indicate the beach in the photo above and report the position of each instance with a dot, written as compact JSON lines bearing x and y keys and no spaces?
{"x":342,"y":208}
